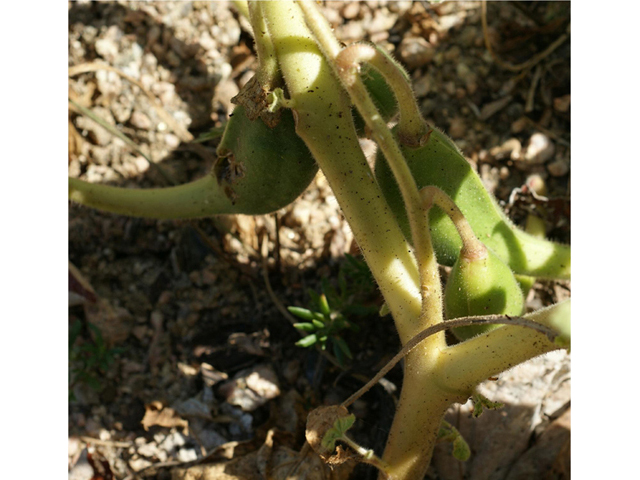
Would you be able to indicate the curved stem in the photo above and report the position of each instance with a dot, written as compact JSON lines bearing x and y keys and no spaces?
{"x":412,"y":130}
{"x":458,"y":322}
{"x":463,"y":366}
{"x":367,"y":456}
{"x":268,"y":66}
{"x":472,"y":248}
{"x":200,"y":198}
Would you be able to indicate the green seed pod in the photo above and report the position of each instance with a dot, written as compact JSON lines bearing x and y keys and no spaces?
{"x":440,"y":163}
{"x":259,"y":170}
{"x":262,"y":169}
{"x":483,"y":285}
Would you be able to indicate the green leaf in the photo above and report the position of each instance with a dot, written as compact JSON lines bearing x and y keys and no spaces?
{"x":302,"y":313}
{"x":305,"y":327}
{"x":343,"y":424}
{"x":480,"y":402}
{"x":307,"y":341}
{"x":342,"y":345}
{"x":315,"y":298}
{"x":449,"y":433}
{"x":324,"y":305}
{"x":318,"y":324}
{"x":461,"y":450}
{"x":329,"y":439}
{"x":338,"y":354}
{"x":340,"y":427}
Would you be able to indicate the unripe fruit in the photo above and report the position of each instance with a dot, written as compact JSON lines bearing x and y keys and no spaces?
{"x":262,"y":169}
{"x":441,"y":164}
{"x":478,"y":286}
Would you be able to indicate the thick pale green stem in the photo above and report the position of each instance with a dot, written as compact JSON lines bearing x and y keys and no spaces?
{"x":323,"y":121}
{"x":345,"y":66}
{"x":200,"y":198}
{"x":415,"y":425}
{"x":428,"y":268}
{"x":268,"y":64}
{"x":463,"y":366}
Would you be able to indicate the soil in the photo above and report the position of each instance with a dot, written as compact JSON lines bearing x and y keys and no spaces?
{"x":178,"y":347}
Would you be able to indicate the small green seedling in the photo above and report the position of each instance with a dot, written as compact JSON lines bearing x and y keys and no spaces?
{"x":323,"y":328}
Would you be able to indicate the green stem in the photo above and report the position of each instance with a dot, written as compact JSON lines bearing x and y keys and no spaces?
{"x":463,"y":366}
{"x":268,"y":65}
{"x":412,"y":129}
{"x":324,"y":122}
{"x":367,"y":456}
{"x":472,"y":248}
{"x":458,"y":322}
{"x":241,"y":7}
{"x":200,"y":198}
{"x":345,"y":66}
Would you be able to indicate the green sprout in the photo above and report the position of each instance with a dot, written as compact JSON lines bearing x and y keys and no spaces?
{"x":323,"y":327}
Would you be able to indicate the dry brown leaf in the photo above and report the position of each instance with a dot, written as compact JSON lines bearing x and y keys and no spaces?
{"x":242,"y":468}
{"x":275,"y":460}
{"x":157,"y":414}
{"x":318,"y":422}
{"x":278,"y":461}
{"x":115,"y":323}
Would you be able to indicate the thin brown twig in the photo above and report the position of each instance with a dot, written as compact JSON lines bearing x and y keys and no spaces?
{"x":109,"y":443}
{"x":537,"y":74}
{"x":522,"y":66}
{"x":458,"y":322}
{"x":264,"y":253}
{"x":179,"y":130}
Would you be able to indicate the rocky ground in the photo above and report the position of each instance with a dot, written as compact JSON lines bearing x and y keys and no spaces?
{"x":177,"y":349}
